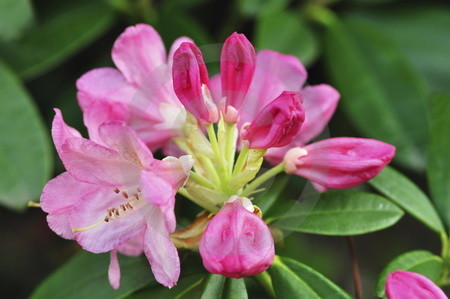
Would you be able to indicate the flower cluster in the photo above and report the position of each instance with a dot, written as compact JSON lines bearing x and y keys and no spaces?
{"x":216,"y":132}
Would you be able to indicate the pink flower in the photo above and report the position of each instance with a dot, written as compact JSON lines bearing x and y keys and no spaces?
{"x":404,"y":284}
{"x":237,"y":243}
{"x":116,"y":197}
{"x":339,"y":162}
{"x":277,"y":124}
{"x":191,"y":81}
{"x":140,"y":92}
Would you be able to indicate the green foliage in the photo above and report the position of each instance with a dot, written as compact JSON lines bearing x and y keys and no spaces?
{"x":85,"y":276}
{"x":381,"y":92}
{"x":58,"y":37}
{"x":407,"y":195}
{"x":341,"y":213}
{"x":419,"y":261}
{"x":25,"y":152}
{"x":292,"y":279}
{"x":287,"y":33}
{"x":261,"y":7}
{"x":439,"y":154}
{"x":15,"y":16}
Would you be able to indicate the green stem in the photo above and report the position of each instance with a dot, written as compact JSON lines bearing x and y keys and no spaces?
{"x":213,"y":139}
{"x":209,"y":207}
{"x":262,"y":179}
{"x":211,"y":170}
{"x":230,"y":146}
{"x":240,"y":162}
{"x":445,"y":249}
{"x":265,"y":281}
{"x":201,"y":180}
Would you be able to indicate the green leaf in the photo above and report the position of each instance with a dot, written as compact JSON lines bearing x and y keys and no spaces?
{"x":407,"y":195}
{"x":25,"y":150}
{"x":15,"y":15}
{"x":292,"y":279}
{"x":421,"y":31}
{"x":341,"y":213}
{"x":419,"y":261}
{"x":57,"y":38}
{"x":251,"y":8}
{"x":86,"y":276}
{"x":287,"y":33}
{"x":381,"y":92}
{"x":270,"y":197}
{"x":438,"y":154}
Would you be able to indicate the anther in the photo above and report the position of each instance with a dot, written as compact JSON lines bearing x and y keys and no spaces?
{"x":129,"y":206}
{"x":123,"y":207}
{"x":106,"y":219}
{"x":117,"y":190}
{"x":124,"y":194}
{"x":117,"y":212}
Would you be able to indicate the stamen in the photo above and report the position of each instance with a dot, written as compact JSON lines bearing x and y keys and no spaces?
{"x":33,"y":204}
{"x":88,"y":227}
{"x":124,"y":194}
{"x":117,"y":190}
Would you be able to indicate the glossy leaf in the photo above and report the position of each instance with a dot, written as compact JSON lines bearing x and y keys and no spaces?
{"x":439,"y":154}
{"x":421,"y":31}
{"x":292,"y":279}
{"x":25,"y":150}
{"x":407,"y":195}
{"x":15,"y":16}
{"x":261,"y":7}
{"x":419,"y":261}
{"x":341,"y":213}
{"x":55,"y":39}
{"x":381,"y":92}
{"x":86,"y":276}
{"x":287,"y":33}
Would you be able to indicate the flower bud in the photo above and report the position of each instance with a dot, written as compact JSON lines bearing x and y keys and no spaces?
{"x":237,"y":243}
{"x":405,"y":284}
{"x":237,"y":66}
{"x":277,"y":124}
{"x":190,"y":82}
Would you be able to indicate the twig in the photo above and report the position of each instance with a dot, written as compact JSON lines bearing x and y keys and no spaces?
{"x":356,"y":274}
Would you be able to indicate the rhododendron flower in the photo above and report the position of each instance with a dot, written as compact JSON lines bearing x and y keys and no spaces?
{"x":116,"y":197}
{"x":237,"y":243}
{"x":139,"y":93}
{"x":404,"y":284}
{"x":277,"y":124}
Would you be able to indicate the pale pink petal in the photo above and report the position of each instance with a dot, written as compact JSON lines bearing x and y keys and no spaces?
{"x":160,"y":251}
{"x":95,"y":234}
{"x":171,"y":149}
{"x":61,"y":131}
{"x":92,"y":163}
{"x":137,"y":52}
{"x":319,"y":188}
{"x":134,"y":246}
{"x":175,"y":45}
{"x":215,"y":87}
{"x":274,"y":74}
{"x":118,"y":136}
{"x":59,"y":196}
{"x":236,"y":243}
{"x":404,"y":284}
{"x":343,"y":162}
{"x":237,"y":66}
{"x":320,"y":102}
{"x":114,"y":270}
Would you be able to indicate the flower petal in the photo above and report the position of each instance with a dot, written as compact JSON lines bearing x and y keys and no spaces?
{"x":343,"y":162}
{"x":175,"y":45}
{"x":61,"y":131}
{"x":404,"y":284}
{"x":274,"y":73}
{"x":96,"y":235}
{"x":137,"y":52}
{"x":134,"y":246}
{"x":59,"y":196}
{"x":114,"y":270}
{"x":160,"y":251}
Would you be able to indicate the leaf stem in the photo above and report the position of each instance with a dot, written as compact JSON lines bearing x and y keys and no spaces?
{"x":240,"y":162}
{"x":262,"y":179}
{"x":356,"y":273}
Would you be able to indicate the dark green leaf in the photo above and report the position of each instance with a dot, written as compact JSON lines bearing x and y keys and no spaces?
{"x":421,"y":31}
{"x":57,"y":38}
{"x":15,"y":15}
{"x":86,"y":276}
{"x":25,"y":150}
{"x":292,"y":279}
{"x":381,"y":92}
{"x":261,"y":7}
{"x":439,"y":154}
{"x":268,"y":199}
{"x":287,"y":33}
{"x":341,"y":213}
{"x":419,"y":261}
{"x":407,"y":195}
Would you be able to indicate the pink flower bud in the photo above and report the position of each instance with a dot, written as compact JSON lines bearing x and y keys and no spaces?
{"x":339,"y":163}
{"x":237,"y":66}
{"x":237,"y":243}
{"x":277,"y":124}
{"x":404,"y":284}
{"x":191,"y":81}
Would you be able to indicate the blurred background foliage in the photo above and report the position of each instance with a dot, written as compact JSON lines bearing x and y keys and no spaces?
{"x":386,"y":57}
